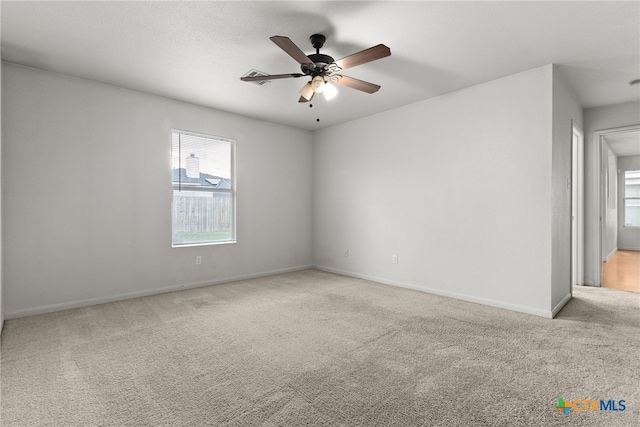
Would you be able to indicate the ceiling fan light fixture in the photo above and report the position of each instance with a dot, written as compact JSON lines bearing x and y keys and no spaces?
{"x":307,"y":91}
{"x":320,"y":68}
{"x":317,"y":84}
{"x":330,"y":91}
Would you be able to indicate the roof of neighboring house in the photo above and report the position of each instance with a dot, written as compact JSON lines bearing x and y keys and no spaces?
{"x":205,"y":180}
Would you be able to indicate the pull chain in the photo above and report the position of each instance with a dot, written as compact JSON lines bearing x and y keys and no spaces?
{"x":317,"y":108}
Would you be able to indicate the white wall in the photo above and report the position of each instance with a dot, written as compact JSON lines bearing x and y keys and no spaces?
{"x":628,"y":237}
{"x":87,"y":194}
{"x":566,"y":111}
{"x":600,"y":118}
{"x":458,"y":186}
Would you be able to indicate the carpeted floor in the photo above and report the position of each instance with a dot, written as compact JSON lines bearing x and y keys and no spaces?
{"x":315,"y":349}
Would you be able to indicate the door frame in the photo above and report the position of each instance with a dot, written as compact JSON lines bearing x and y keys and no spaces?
{"x":597,"y":223}
{"x":577,"y":206}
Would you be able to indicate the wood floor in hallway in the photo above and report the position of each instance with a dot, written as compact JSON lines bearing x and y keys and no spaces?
{"x":622,"y":271}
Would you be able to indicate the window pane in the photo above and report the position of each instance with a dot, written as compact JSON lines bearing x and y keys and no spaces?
{"x":632,"y":184}
{"x":199,"y":158}
{"x":203,"y":201}
{"x":632,"y":213}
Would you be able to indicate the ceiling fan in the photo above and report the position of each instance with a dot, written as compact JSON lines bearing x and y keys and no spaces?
{"x":322,"y":69}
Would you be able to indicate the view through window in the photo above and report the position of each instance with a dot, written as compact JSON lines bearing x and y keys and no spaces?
{"x":203,"y":208}
{"x":632,"y":198}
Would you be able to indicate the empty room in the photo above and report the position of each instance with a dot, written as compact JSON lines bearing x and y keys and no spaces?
{"x":331,"y":213}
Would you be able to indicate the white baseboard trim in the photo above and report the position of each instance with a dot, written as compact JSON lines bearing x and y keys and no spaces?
{"x":147,"y":292}
{"x":610,"y":254}
{"x":561,"y":304}
{"x":464,"y":297}
{"x":629,"y":248}
{"x":590,"y":283}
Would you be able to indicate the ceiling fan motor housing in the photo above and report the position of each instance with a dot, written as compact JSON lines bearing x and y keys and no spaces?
{"x":320,"y":60}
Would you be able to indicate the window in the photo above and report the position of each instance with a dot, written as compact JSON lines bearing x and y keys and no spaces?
{"x":203,"y":208}
{"x":632,"y":198}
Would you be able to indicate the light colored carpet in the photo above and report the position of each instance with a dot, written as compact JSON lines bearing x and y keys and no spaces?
{"x":316,"y":349}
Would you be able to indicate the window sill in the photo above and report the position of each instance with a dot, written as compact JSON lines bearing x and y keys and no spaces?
{"x":188,"y":245}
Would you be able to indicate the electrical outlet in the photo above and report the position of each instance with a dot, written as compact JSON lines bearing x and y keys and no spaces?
{"x":198,"y":260}
{"x":394,"y":259}
{"x":346,"y":253}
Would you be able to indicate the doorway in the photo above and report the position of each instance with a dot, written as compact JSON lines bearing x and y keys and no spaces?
{"x":617,"y":237}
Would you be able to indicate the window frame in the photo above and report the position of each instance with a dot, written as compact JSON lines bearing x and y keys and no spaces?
{"x":232,"y":191}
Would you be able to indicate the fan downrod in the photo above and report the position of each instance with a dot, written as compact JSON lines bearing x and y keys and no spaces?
{"x":319,"y":60}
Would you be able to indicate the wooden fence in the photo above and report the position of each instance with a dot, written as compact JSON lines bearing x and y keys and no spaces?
{"x":202,"y":211}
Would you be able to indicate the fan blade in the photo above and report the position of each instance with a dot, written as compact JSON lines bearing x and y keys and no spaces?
{"x":355,"y":83}
{"x":291,"y":49}
{"x":271,"y":77}
{"x":362,"y":57}
{"x":303,"y":99}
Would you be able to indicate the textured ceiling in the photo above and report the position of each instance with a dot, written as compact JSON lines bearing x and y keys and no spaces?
{"x":197,"y":51}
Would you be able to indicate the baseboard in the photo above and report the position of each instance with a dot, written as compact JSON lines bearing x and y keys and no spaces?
{"x":148,"y":292}
{"x":561,"y":304}
{"x":628,"y":248}
{"x":590,"y":283}
{"x":610,"y":254}
{"x":464,"y":297}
